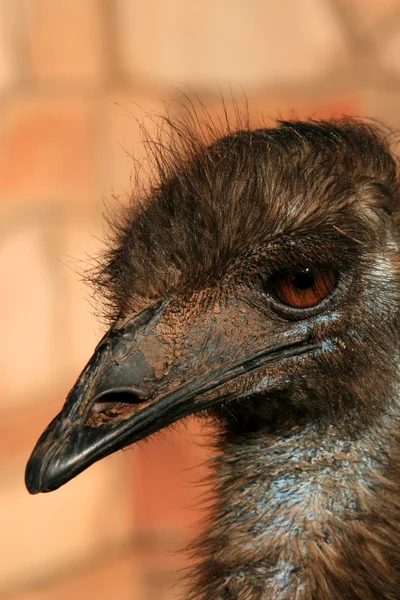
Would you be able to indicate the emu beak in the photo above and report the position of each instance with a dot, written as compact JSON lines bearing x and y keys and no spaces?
{"x":120,"y":398}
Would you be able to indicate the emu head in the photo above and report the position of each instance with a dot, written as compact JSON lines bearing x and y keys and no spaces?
{"x":260,"y":283}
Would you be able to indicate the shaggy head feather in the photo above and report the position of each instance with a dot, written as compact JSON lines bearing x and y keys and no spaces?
{"x":212,"y":206}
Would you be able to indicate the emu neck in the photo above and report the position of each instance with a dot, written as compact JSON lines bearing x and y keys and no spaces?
{"x":304,"y":513}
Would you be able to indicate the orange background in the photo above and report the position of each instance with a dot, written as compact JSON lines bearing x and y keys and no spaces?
{"x":77,"y":77}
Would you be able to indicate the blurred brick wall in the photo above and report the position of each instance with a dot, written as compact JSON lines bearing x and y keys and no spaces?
{"x":75,"y":76}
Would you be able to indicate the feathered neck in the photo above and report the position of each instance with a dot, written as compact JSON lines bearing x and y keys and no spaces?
{"x":304,"y":513}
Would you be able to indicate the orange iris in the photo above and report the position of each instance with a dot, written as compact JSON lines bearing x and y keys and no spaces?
{"x":304,"y":288}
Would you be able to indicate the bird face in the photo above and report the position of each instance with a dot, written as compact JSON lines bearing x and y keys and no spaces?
{"x":262,"y":276}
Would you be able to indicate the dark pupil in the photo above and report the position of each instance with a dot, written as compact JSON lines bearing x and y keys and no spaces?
{"x":303,"y":280}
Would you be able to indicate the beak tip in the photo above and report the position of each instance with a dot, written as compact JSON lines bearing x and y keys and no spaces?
{"x":41,"y":475}
{"x":53,"y":463}
{"x":38,"y":480}
{"x":32,"y":479}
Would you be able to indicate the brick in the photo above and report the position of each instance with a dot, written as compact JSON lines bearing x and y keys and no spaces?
{"x":161,"y":575}
{"x":20,"y":428}
{"x":65,"y":39}
{"x":264,"y":43}
{"x":47,"y":533}
{"x":46,"y":148}
{"x":126,"y":112}
{"x":389,"y":50}
{"x":162,"y":560}
{"x":9,"y":28}
{"x":382,"y":106}
{"x":171,"y":488}
{"x":115,"y":579}
{"x":82,"y":326}
{"x":368,"y":14}
{"x":262,"y":110}
{"x":50,"y":533}
{"x":169,"y":469}
{"x":27,"y":355}
{"x":316,"y":105}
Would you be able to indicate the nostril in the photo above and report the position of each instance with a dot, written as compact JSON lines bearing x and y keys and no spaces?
{"x":117,"y":400}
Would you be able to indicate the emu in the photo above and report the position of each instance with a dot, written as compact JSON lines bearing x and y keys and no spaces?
{"x":258,"y":284}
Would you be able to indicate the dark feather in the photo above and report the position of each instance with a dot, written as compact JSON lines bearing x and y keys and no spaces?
{"x":307,"y":482}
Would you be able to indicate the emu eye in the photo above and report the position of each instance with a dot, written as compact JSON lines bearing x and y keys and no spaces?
{"x":303,"y":288}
